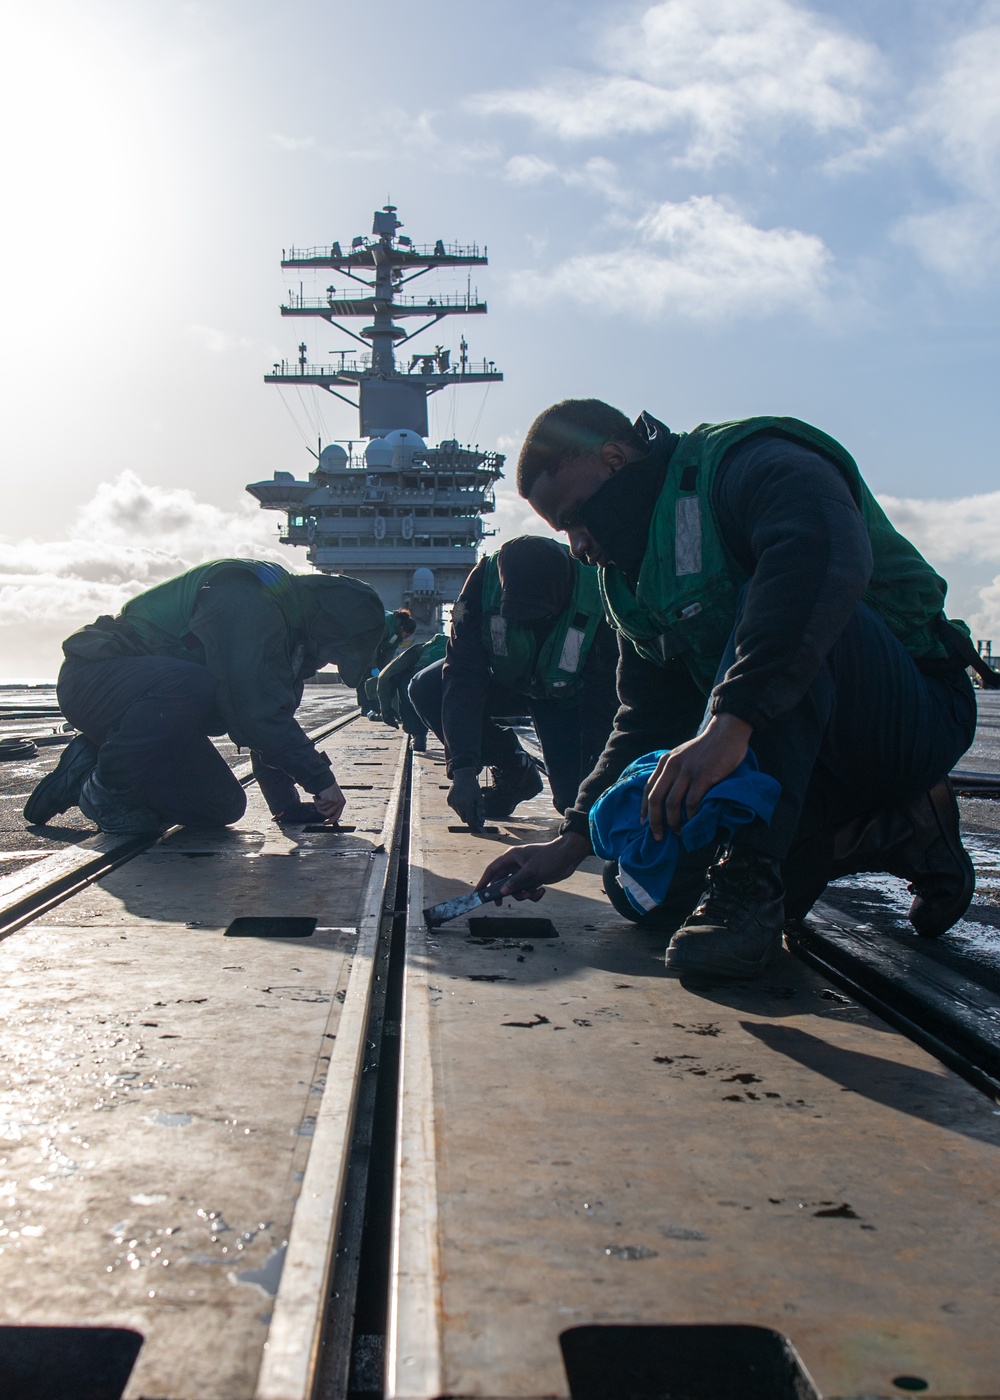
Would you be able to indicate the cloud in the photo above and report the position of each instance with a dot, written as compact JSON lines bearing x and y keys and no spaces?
{"x":530,"y":170}
{"x":217,"y":342}
{"x":128,"y":537}
{"x":698,"y":260}
{"x":712,"y":75}
{"x":597,"y":176}
{"x":967,"y":528}
{"x":956,"y":125}
{"x":985,"y":623}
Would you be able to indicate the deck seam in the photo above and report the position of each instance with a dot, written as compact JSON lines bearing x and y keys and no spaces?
{"x":291,"y":1353}
{"x":413,"y":1343}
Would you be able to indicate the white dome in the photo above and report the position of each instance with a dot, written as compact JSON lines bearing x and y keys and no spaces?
{"x":332,"y":458}
{"x":404,"y":437}
{"x":378,"y":453}
{"x":423,"y":580}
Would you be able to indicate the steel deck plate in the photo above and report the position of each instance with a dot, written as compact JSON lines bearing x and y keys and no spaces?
{"x":167,"y":1092}
{"x":584,"y":1140}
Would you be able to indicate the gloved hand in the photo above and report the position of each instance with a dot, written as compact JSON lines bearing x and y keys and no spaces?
{"x":390,"y":720}
{"x":466,"y":798}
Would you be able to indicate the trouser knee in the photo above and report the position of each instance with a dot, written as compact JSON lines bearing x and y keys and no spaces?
{"x":425,"y":691}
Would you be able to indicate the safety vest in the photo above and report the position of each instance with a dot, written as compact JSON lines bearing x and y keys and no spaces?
{"x":159,"y":620}
{"x":554,"y":669}
{"x":433,"y":650}
{"x":684,"y":605}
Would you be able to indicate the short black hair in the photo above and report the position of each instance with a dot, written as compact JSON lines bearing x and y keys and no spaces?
{"x":573,"y":428}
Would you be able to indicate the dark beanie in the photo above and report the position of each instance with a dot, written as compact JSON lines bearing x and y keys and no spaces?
{"x":536,"y":578}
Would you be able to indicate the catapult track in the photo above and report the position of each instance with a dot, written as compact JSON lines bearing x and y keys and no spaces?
{"x":195,"y":1122}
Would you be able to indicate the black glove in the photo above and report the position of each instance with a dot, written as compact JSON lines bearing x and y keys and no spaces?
{"x":466,"y":798}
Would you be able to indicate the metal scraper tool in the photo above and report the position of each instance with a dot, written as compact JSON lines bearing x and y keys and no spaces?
{"x":439,"y":914}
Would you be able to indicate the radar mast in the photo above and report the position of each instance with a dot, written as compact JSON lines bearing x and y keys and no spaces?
{"x":404,"y":516}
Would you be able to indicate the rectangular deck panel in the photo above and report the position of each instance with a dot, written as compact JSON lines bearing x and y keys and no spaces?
{"x":585,"y":1141}
{"x":165,"y":1090}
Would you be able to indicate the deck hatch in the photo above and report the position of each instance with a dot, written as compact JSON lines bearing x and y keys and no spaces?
{"x":696,"y":1362}
{"x":66,"y":1363}
{"x":272,"y":926}
{"x":494,"y":926}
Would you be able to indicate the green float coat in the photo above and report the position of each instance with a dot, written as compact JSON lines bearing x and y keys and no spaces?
{"x":684,"y":605}
{"x":554,"y":669}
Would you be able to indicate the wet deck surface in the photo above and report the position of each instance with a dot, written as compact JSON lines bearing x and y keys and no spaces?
{"x":21,"y":845}
{"x":163,"y":1083}
{"x":587,"y":1141}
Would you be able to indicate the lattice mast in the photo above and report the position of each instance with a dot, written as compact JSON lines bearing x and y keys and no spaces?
{"x":403,"y":516}
{"x":383,"y":264}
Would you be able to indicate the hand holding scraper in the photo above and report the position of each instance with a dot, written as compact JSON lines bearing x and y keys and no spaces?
{"x":439,"y":914}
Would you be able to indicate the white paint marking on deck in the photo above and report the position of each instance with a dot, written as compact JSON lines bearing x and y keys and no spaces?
{"x":288,"y":1368}
{"x":413,"y":1345}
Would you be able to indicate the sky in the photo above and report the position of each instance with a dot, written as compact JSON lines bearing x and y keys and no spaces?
{"x":704,"y":210}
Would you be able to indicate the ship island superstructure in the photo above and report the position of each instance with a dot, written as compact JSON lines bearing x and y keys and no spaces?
{"x":399,"y":514}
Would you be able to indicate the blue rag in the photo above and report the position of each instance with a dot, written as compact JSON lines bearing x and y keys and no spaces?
{"x":645,"y":866}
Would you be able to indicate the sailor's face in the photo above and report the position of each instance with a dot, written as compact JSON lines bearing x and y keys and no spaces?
{"x":557,"y":498}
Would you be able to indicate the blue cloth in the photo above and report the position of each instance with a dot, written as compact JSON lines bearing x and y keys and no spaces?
{"x":646,"y":866}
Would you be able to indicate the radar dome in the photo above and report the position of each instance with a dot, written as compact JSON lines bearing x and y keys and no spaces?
{"x":378,"y":453}
{"x":404,"y":437}
{"x":332,"y":458}
{"x":423,"y":580}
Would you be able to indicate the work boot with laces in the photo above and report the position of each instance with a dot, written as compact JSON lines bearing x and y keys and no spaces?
{"x":515,"y":782}
{"x":736,"y":929}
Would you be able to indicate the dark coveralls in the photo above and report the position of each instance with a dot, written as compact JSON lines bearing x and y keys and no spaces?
{"x":842,"y":715}
{"x":393,"y":685}
{"x":151,"y":714}
{"x":460,"y":700}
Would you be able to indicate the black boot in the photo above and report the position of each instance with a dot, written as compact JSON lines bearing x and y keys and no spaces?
{"x":736,"y":929}
{"x":937,"y":866}
{"x":117,"y":813}
{"x":515,"y":782}
{"x":920,"y":842}
{"x":60,"y":789}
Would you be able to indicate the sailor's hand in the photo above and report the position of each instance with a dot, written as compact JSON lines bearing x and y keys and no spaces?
{"x":536,"y":865}
{"x":679,"y":781}
{"x":466,"y":798}
{"x":331,"y":803}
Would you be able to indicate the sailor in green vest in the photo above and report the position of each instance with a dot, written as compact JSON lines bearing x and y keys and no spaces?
{"x":528,"y":637}
{"x":763,"y":600}
{"x":399,"y":625}
{"x":395,"y":707}
{"x":223,"y":649}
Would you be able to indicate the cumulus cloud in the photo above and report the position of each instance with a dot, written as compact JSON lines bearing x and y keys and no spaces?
{"x":710,"y":75}
{"x":956,"y":124}
{"x":698,"y":260}
{"x":128,"y":537}
{"x":967,"y":528}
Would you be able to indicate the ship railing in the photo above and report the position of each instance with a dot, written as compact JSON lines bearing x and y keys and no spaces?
{"x":295,"y":369}
{"x":456,"y":371}
{"x":464,"y":301}
{"x":423,"y":250}
{"x":361,"y":365}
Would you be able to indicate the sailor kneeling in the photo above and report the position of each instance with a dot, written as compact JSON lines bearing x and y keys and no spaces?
{"x":222,"y":649}
{"x":749,"y":566}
